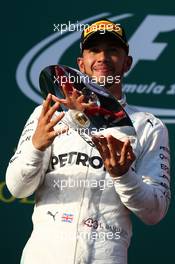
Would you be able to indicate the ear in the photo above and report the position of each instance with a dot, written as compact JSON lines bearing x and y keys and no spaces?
{"x":128,"y":63}
{"x":80,"y":62}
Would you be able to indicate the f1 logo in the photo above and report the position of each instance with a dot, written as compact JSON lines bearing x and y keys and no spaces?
{"x":142,"y":45}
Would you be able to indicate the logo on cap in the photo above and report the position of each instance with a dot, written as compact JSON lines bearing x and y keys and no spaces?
{"x":101,"y":26}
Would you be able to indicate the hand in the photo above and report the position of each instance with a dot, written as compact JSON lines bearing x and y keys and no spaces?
{"x":117,"y":155}
{"x":45,"y":134}
{"x":74,"y":100}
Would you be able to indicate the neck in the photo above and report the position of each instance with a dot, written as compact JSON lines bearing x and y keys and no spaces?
{"x":116,"y":90}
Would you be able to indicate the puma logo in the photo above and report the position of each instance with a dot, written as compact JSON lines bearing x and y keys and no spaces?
{"x":53,"y":215}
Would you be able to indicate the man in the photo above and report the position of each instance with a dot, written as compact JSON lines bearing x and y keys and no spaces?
{"x":90,"y":223}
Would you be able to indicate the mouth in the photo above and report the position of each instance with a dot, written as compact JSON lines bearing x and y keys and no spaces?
{"x":103,"y":69}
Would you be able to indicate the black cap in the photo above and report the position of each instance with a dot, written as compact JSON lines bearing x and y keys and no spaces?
{"x":104,"y":28}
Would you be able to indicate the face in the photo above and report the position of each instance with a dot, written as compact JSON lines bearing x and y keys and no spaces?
{"x":103,"y":59}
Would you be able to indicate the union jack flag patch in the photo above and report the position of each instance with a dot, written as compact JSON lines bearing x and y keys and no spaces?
{"x":67,"y":218}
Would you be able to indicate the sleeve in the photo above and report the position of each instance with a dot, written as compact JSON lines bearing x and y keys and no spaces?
{"x":145,"y":189}
{"x":27,"y":168}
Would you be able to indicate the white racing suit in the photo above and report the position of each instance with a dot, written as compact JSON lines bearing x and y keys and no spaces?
{"x":82,"y":215}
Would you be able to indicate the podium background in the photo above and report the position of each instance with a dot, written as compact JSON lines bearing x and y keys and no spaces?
{"x":25,"y":24}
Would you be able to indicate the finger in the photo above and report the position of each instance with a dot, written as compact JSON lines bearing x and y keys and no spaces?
{"x":51,"y":111}
{"x":80,"y":99}
{"x":59,"y":100}
{"x":62,"y":130}
{"x":101,"y":144}
{"x":65,"y":90}
{"x":131,"y":156}
{"x":116,"y":142}
{"x":88,"y":105}
{"x":79,"y":103}
{"x":124,"y":152}
{"x":96,"y":141}
{"x":55,"y":98}
{"x":58,"y":132}
{"x":46,"y":104}
{"x":75,"y":94}
{"x":62,"y":101}
{"x":129,"y":160}
{"x":112,"y":145}
{"x":56,"y":120}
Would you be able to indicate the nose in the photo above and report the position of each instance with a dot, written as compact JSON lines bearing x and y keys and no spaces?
{"x":102,"y":56}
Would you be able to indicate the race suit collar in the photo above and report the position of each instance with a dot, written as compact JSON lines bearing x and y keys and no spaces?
{"x":122,"y":101}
